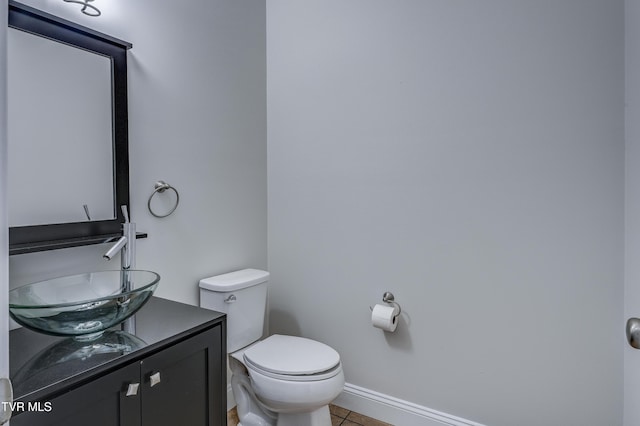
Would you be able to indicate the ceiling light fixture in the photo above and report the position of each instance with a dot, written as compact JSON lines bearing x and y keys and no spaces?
{"x":87,"y":8}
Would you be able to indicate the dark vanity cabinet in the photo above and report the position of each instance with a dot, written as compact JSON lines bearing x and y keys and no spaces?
{"x":179,"y":380}
{"x":101,"y":402}
{"x":178,"y":383}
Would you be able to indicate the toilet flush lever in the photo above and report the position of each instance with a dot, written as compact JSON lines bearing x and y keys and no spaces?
{"x":230,"y":299}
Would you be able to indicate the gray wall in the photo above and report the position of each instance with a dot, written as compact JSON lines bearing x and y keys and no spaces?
{"x":466,"y":156}
{"x":632,"y":206}
{"x":469,"y":157}
{"x":4,"y":236}
{"x":197,"y":120}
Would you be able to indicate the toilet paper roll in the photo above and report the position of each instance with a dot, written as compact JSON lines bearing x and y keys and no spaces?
{"x":385,"y":317}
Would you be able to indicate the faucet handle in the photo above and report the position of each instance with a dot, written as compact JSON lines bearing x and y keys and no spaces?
{"x":125,"y":213}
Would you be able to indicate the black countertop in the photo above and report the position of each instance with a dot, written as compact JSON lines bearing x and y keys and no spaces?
{"x":43,"y":366}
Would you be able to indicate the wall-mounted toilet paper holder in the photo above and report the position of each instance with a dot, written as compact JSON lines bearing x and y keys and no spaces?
{"x":388,"y":297}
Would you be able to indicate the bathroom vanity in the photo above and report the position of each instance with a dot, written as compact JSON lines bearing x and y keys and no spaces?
{"x":171,"y":371}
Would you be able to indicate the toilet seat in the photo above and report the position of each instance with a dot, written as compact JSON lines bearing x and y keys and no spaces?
{"x":292,"y":358}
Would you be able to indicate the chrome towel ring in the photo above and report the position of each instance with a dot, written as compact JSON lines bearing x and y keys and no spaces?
{"x":160,"y":187}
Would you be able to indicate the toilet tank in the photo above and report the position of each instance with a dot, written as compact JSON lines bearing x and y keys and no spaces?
{"x":242,"y":295}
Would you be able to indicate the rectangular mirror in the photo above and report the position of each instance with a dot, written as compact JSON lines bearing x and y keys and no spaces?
{"x":60,"y":139}
{"x":68,"y":136}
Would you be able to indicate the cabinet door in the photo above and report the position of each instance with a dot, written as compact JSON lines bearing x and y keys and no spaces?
{"x":101,"y":402}
{"x":186,"y":384}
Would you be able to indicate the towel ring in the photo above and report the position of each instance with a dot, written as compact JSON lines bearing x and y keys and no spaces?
{"x":160,"y":187}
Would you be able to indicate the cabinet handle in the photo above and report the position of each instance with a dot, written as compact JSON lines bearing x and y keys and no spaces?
{"x":132,"y":389}
{"x":154,"y":379}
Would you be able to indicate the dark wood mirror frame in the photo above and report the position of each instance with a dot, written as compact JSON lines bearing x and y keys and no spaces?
{"x":26,"y":239}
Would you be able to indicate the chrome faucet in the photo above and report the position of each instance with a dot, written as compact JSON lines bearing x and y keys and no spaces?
{"x":126,"y":245}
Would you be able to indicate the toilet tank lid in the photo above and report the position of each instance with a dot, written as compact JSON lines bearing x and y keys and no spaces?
{"x":234,"y":280}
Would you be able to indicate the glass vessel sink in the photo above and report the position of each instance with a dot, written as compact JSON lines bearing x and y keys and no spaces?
{"x":81,"y":305}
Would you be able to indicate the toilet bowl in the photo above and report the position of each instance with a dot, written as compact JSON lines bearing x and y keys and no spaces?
{"x":281,"y":380}
{"x":292,"y":378}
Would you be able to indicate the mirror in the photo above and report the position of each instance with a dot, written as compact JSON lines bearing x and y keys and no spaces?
{"x":68,"y":138}
{"x":68,"y":95}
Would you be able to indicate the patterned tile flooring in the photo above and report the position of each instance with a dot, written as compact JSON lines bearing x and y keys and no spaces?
{"x":339,"y":417}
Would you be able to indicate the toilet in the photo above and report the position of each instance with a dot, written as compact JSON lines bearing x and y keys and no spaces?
{"x":281,"y":380}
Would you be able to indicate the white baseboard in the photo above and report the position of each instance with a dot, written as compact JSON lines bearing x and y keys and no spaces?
{"x":393,"y":410}
{"x":386,"y":408}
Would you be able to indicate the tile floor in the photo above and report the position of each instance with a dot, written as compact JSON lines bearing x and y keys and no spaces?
{"x":343,"y":417}
{"x":339,"y":417}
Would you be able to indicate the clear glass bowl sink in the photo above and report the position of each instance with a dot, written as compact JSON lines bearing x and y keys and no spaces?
{"x":81,"y":305}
